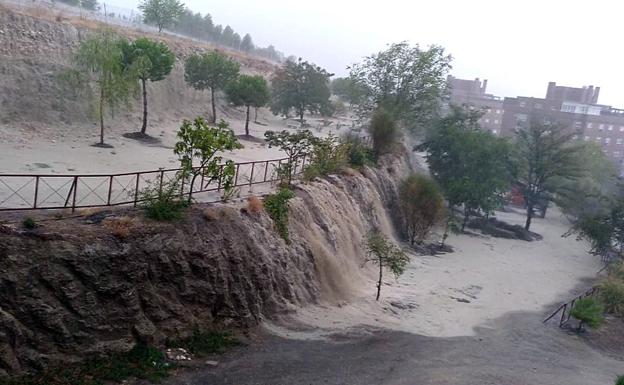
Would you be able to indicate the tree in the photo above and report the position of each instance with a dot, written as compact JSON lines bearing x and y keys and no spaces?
{"x":620,"y":380}
{"x":149,"y":60}
{"x":162,"y":13}
{"x":247,"y":44}
{"x":406,"y":81}
{"x":384,"y":253}
{"x":422,"y":206}
{"x":588,"y":312}
{"x":348,"y":89}
{"x":472,"y":167}
{"x":544,"y":153}
{"x":212,"y":71}
{"x":100,"y":56}
{"x":249,"y":91}
{"x":300,"y":86}
{"x":384,"y":132}
{"x":605,"y":232}
{"x":294,"y":145}
{"x":199,"y":141}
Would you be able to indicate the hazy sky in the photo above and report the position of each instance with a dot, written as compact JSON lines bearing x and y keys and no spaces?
{"x":518,"y":46}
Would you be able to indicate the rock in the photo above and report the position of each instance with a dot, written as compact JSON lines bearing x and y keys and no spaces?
{"x":212,"y":363}
{"x":178,"y":354}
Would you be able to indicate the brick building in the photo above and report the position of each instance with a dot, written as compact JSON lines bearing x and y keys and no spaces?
{"x":575,"y":108}
{"x":474,"y":93}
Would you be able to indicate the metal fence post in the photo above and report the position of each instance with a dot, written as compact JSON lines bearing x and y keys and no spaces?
{"x":110,"y":190}
{"x":75,"y":190}
{"x":36,"y":191}
{"x":266,"y":170}
{"x":136,"y":189}
{"x":253,"y":165}
{"x":162,"y":176}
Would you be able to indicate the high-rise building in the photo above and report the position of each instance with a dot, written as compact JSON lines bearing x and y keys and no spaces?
{"x":473,"y":93}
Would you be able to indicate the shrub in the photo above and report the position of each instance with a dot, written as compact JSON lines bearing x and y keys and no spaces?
{"x":254,"y":205}
{"x":119,"y":227}
{"x":210,"y":214}
{"x":163,"y":204}
{"x":384,"y":253}
{"x":588,"y":312}
{"x":328,"y":156}
{"x":620,"y":380}
{"x":612,"y":295}
{"x":421,"y":205}
{"x":276,"y":205}
{"x":202,"y":343}
{"x":384,"y":132}
{"x":359,"y":154}
{"x":29,"y":223}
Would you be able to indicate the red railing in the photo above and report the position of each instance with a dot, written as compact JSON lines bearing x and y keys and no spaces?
{"x":56,"y":191}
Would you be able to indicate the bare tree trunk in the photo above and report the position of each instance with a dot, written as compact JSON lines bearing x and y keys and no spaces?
{"x":256,"y":115}
{"x":527,"y":224}
{"x":214,"y":109}
{"x":247,"y":123}
{"x":102,"y":116}
{"x":379,"y":283}
{"x":301,"y":117}
{"x":465,"y":218}
{"x":144,"y":126}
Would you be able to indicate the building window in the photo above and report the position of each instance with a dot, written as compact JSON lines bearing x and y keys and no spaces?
{"x":601,"y":127}
{"x":587,"y":138}
{"x":618,"y":141}
{"x":610,"y":128}
{"x":589,"y":125}
{"x":498,"y":111}
{"x":487,"y":120}
{"x":495,"y":132}
{"x":522,"y":104}
{"x":607,"y":140}
{"x":495,"y":121}
{"x":617,"y":154}
{"x":537,"y":105}
{"x":598,"y":139}
{"x":621,"y":128}
{"x":577,"y":125}
{"x":575,"y":137}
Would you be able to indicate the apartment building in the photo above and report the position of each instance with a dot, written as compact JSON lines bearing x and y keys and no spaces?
{"x":473,"y":93}
{"x":574,"y":108}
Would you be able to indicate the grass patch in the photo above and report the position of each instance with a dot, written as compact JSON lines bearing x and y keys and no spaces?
{"x":164,"y":203}
{"x":142,"y":362}
{"x":276,"y":205}
{"x":203,"y":343}
{"x":29,"y":223}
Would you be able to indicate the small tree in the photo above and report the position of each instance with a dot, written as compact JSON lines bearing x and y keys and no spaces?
{"x":384,"y":132}
{"x":328,"y":156}
{"x":210,"y":71}
{"x":150,"y":60}
{"x":294,"y":145}
{"x":421,"y":205}
{"x":249,"y":91}
{"x":162,"y":13}
{"x":100,"y":56}
{"x":300,"y":86}
{"x":588,"y":312}
{"x":544,"y":153}
{"x":247,"y":44}
{"x":384,"y":253}
{"x":620,"y":380}
{"x":276,"y":205}
{"x":199,"y":141}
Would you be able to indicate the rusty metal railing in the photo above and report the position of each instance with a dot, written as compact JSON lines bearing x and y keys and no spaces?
{"x":567,"y":307}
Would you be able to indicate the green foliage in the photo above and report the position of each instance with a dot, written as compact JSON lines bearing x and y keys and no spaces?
{"x":142,"y":362}
{"x":248,"y":91}
{"x":472,"y":167}
{"x":300,"y":86}
{"x":29,"y":223}
{"x":384,"y":132}
{"x":612,"y":295}
{"x":294,"y":145}
{"x":197,"y":150}
{"x":405,"y":80}
{"x":422,"y":206}
{"x":148,"y":60}
{"x":359,"y":154}
{"x":161,"y":13}
{"x":348,"y":90}
{"x":544,"y":153}
{"x":384,"y":253}
{"x":100,"y":58}
{"x":276,"y":205}
{"x":328,"y":156}
{"x":620,"y":380}
{"x":588,"y":312}
{"x":203,"y":343}
{"x":163,"y":203}
{"x":212,"y":71}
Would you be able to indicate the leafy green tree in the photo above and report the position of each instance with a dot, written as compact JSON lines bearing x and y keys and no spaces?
{"x":328,"y":156}
{"x":348,"y":89}
{"x":620,"y":380}
{"x":605,"y":232}
{"x":472,"y":167}
{"x":588,"y":312}
{"x":384,"y":132}
{"x":149,"y":60}
{"x":383,"y":253}
{"x":200,"y":142}
{"x":247,"y":44}
{"x":300,"y":86}
{"x":295,"y":145}
{"x":544,"y":152}
{"x":249,"y":91}
{"x":212,"y":71}
{"x":276,"y":205}
{"x":100,"y":57}
{"x":162,"y":13}
{"x":405,"y":80}
{"x":422,"y":207}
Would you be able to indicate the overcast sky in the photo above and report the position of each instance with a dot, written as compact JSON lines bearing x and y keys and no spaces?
{"x":518,"y":46}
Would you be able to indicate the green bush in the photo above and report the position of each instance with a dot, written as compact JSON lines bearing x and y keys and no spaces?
{"x":359,"y":154}
{"x":422,"y":206}
{"x":612,"y":295}
{"x":384,"y":132}
{"x":276,"y":205}
{"x":203,"y":343}
{"x":328,"y":156}
{"x":29,"y":223}
{"x":620,"y":380}
{"x":163,"y":204}
{"x":589,"y":312}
